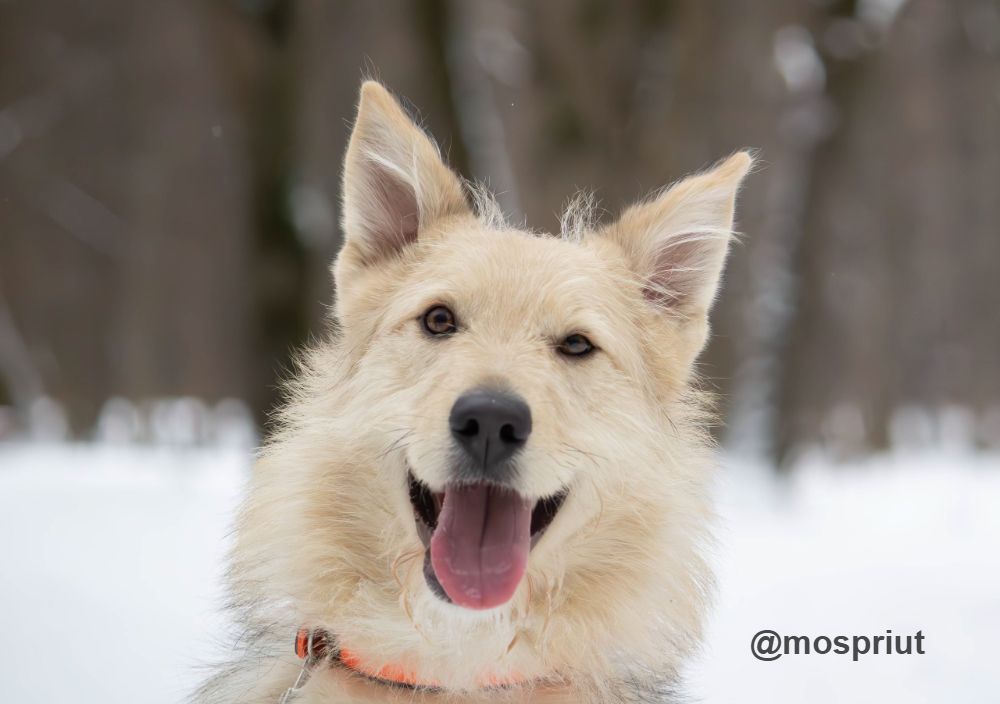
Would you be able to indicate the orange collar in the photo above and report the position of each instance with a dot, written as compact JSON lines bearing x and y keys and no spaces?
{"x":315,"y":645}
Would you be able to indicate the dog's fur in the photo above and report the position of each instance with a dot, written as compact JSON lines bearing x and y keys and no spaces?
{"x":615,"y":590}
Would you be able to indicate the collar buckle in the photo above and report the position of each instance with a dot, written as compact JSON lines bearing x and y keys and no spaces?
{"x":311,"y":646}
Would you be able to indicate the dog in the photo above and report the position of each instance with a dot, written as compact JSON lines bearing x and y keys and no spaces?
{"x":491,"y":483}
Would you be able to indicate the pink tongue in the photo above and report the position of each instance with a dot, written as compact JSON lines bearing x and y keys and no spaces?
{"x":479,"y":549}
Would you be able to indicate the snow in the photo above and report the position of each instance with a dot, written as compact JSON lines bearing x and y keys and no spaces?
{"x":908,"y":542}
{"x":111,"y":561}
{"x":112,"y":556}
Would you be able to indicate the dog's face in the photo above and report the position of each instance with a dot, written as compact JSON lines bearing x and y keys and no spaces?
{"x":505,"y":353}
{"x":524,"y":384}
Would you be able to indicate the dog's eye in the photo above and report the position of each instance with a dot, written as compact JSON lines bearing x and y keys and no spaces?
{"x":575,"y":346}
{"x":439,"y":320}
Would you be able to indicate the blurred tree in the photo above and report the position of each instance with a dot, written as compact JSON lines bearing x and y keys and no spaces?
{"x":897,"y":297}
{"x":169,"y":183}
{"x":123,"y":256}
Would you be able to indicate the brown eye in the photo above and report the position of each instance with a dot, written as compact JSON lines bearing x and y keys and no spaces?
{"x":575,"y":346}
{"x":439,"y":320}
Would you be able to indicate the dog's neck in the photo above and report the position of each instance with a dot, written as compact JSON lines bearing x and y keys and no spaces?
{"x":321,"y":655}
{"x":317,"y":647}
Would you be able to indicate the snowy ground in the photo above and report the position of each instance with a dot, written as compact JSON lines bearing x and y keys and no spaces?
{"x":111,"y":559}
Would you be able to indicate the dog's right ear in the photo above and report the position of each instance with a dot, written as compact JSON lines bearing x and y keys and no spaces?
{"x":395,"y":183}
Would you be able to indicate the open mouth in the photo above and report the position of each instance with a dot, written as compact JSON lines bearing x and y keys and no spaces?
{"x":478,"y":537}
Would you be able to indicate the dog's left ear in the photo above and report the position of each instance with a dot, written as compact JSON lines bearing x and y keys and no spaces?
{"x":677,"y":242}
{"x":395,"y":183}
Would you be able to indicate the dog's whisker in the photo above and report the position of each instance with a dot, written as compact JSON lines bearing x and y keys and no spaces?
{"x":401,"y":557}
{"x":396,"y":444}
{"x":510,"y":646}
{"x":592,"y":456}
{"x":596,"y":521}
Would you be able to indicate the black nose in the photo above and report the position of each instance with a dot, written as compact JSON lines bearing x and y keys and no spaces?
{"x":490,"y":426}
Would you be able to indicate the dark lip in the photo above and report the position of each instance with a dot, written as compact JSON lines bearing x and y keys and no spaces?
{"x":427,"y":506}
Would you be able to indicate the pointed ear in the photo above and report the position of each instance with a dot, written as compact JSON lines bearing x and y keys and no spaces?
{"x":395,"y":183}
{"x":677,"y":242}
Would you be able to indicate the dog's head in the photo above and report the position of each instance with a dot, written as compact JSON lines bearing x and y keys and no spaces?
{"x":515,"y":406}
{"x":525,"y":366}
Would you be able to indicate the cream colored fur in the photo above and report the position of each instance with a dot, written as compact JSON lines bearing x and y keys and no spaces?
{"x":616,"y":589}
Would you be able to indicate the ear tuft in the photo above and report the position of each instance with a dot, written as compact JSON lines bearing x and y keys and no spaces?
{"x":677,"y":242}
{"x":395,"y":182}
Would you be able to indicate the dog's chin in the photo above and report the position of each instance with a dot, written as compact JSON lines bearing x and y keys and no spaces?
{"x":477,"y":538}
